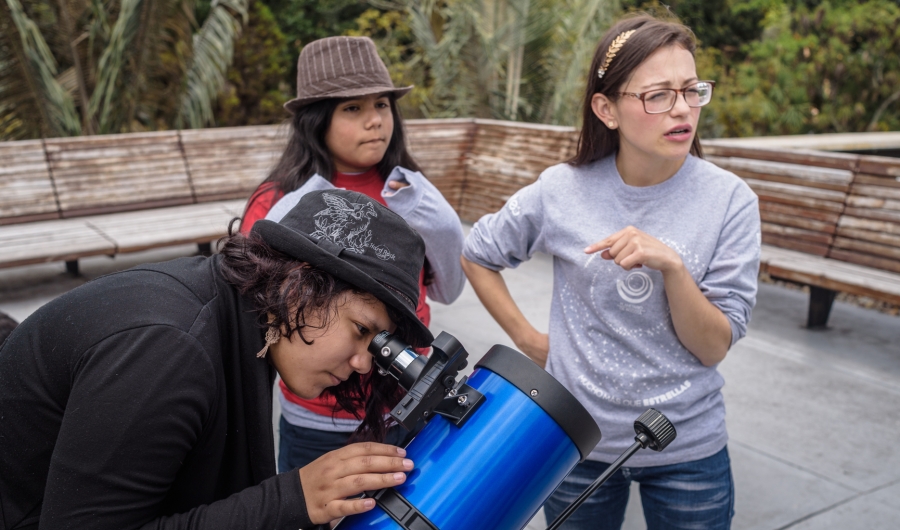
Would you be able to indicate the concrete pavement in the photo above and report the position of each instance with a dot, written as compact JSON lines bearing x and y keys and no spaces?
{"x":813,"y":416}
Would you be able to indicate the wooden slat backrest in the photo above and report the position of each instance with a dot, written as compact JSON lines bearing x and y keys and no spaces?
{"x":869,"y":229}
{"x":506,"y":157}
{"x":440,"y":148}
{"x":117,"y":172}
{"x":229,"y":163}
{"x":26,"y":189}
{"x":804,"y":157}
{"x":799,"y":205}
{"x":844,"y":206}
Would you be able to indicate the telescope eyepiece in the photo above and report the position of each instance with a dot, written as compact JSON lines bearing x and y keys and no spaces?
{"x":395,"y":357}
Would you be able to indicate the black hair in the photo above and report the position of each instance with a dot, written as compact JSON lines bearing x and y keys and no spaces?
{"x":306,"y":153}
{"x":597,"y":141}
{"x":292,"y":291}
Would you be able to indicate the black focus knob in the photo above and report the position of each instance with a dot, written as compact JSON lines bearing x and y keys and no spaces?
{"x":654,"y":430}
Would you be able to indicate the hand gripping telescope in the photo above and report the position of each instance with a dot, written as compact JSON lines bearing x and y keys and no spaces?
{"x":495,"y":445}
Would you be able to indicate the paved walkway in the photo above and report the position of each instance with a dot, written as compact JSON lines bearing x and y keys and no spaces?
{"x":814,"y":417}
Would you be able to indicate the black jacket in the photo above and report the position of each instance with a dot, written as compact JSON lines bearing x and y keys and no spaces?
{"x":137,"y":401}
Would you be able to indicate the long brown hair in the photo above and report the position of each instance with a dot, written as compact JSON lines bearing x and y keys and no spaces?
{"x":596,"y":141}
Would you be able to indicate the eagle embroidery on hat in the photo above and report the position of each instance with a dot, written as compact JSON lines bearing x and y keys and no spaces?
{"x":347,"y":224}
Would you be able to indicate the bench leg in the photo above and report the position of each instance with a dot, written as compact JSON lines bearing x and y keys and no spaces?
{"x":820,"y":302}
{"x":205,"y":249}
{"x":72,"y":267}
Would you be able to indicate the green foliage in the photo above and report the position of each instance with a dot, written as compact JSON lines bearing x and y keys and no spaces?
{"x":256,"y":86}
{"x":782,"y":66}
{"x":212,"y":55}
{"x":724,"y":25}
{"x":303,"y":21}
{"x":27,"y":54}
{"x":508,"y":59}
{"x":85,"y":66}
{"x":832,"y":68}
{"x":397,"y":47}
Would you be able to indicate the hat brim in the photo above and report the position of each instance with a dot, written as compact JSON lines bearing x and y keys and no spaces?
{"x":302,"y":248}
{"x":295,"y":104}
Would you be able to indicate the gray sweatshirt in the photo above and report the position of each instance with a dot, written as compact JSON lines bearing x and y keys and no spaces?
{"x":612,"y":342}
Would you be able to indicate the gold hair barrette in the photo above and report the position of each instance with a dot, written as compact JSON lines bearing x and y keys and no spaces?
{"x":613,"y":50}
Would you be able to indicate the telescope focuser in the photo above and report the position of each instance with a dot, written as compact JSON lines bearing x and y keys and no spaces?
{"x":653,"y":430}
{"x":430,"y":382}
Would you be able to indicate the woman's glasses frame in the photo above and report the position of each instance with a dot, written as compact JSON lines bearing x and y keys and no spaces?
{"x":683,"y":91}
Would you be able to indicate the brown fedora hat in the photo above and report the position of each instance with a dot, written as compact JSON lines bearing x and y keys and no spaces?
{"x":340,"y":67}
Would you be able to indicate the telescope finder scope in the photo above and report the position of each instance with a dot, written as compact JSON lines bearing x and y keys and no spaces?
{"x":430,"y":382}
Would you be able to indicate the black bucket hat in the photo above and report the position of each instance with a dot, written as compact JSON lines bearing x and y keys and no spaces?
{"x":358,"y":240}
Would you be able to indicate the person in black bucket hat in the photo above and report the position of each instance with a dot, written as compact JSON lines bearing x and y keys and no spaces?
{"x":144,"y":397}
{"x":383,"y":258}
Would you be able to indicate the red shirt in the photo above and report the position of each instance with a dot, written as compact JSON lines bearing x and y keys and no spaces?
{"x":262,"y":200}
{"x":369,"y":183}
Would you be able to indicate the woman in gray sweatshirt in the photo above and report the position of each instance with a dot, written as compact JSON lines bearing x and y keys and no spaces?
{"x":656,"y":254}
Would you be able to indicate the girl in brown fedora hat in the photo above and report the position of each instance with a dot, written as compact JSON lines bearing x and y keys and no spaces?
{"x":347,"y":132}
{"x":143,"y":399}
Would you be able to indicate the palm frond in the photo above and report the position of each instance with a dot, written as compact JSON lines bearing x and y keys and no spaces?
{"x":578,"y":31}
{"x":163,"y":75}
{"x":212,"y":54}
{"x":510,"y":59}
{"x":111,"y":67}
{"x":17,"y":101}
{"x":29,"y":71}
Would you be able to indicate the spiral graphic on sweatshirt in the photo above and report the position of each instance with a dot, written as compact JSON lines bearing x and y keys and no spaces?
{"x":635,"y":288}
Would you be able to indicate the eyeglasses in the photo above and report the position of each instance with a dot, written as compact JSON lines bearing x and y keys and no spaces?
{"x":663,"y":99}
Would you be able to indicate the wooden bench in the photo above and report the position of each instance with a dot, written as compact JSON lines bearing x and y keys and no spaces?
{"x":68,"y":198}
{"x":830,"y":221}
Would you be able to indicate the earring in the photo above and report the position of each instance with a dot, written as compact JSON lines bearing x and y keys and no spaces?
{"x":272,"y":336}
{"x":612,"y":124}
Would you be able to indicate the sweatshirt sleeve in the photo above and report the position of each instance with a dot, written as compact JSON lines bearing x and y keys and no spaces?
{"x":423,"y":206}
{"x":291,"y":199}
{"x":130,"y":423}
{"x":730,"y":282}
{"x":508,"y":237}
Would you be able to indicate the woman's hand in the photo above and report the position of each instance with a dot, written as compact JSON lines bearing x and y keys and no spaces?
{"x":535,"y":345}
{"x":347,"y":472}
{"x":630,"y":248}
{"x":397,"y":184}
{"x":494,"y":295}
{"x":700,"y":326}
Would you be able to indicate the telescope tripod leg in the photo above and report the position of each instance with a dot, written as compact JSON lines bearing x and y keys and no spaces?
{"x":652,"y":430}
{"x":570,"y":509}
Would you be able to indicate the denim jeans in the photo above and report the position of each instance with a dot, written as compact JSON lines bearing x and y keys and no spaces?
{"x":298,"y":446}
{"x":696,"y":495}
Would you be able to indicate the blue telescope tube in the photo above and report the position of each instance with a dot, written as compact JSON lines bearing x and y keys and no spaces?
{"x":498,"y":469}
